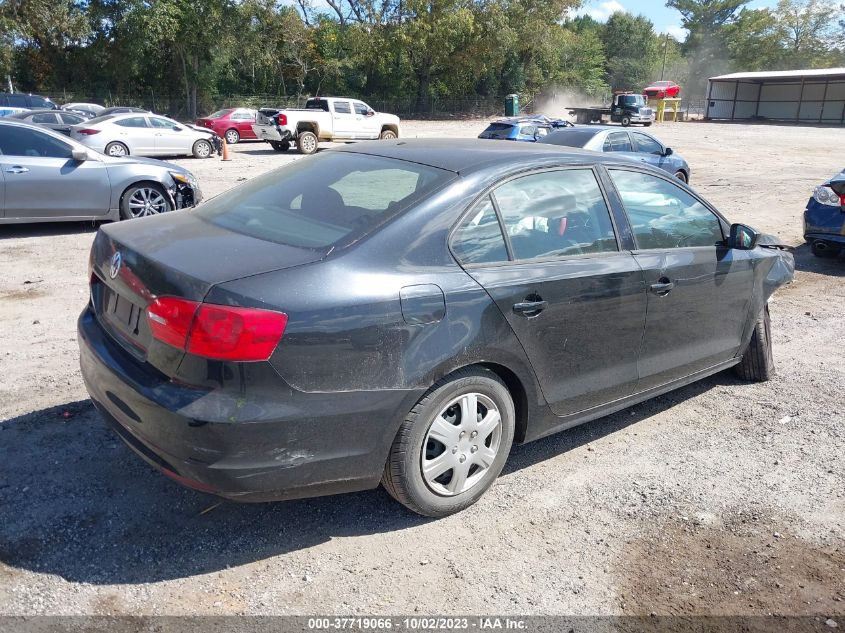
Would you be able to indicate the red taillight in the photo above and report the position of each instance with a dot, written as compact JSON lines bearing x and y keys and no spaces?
{"x":215,"y":331}
{"x":842,"y":200}
{"x":88,"y":131}
{"x":283,"y":119}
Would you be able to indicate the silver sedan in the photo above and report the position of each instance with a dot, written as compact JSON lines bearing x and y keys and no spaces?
{"x":143,"y":134}
{"x":47,"y":177}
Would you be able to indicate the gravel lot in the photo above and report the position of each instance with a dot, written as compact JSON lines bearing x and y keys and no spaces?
{"x":720,"y":498}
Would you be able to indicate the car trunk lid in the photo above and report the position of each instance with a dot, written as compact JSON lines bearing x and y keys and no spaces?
{"x":129,"y":273}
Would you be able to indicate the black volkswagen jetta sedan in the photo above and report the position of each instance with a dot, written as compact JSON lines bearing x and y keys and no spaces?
{"x":402,"y":312}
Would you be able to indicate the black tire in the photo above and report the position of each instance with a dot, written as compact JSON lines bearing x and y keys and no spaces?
{"x":403,"y":477}
{"x":202,"y":149}
{"x":825,"y":251}
{"x":306,"y":142}
{"x":128,"y":201}
{"x":232,"y":136}
{"x":626,"y":121}
{"x":388,"y":135}
{"x":680,"y":175}
{"x":647,"y":124}
{"x":116,"y":149}
{"x":280,"y":146}
{"x":757,"y":363}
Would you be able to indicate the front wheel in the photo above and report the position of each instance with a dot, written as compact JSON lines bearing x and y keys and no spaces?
{"x":306,"y":142}
{"x":757,"y":363}
{"x":202,"y":149}
{"x":142,"y":200}
{"x":626,"y":121}
{"x":452,"y":445}
{"x":280,"y":146}
{"x":387,"y":135}
{"x":680,"y":175}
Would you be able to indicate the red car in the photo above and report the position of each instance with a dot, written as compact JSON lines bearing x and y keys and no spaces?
{"x":233,"y":124}
{"x":662,"y":90}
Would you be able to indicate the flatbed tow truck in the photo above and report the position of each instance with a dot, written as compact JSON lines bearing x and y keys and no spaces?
{"x":626,"y":108}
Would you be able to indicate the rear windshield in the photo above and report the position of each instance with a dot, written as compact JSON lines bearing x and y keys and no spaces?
{"x":219,"y":114}
{"x":324,"y":201}
{"x":317,"y":104}
{"x":100,"y":119}
{"x":497,"y":130}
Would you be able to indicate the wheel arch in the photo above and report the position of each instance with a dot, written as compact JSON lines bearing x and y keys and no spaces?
{"x":308,"y":126}
{"x":144,"y":181}
{"x":393,"y":127}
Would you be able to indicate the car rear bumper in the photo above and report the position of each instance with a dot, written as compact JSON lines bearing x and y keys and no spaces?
{"x":824,"y":222}
{"x":271,"y":133}
{"x":278,"y":444}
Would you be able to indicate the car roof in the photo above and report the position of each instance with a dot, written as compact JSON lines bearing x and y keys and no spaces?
{"x":467,"y":155}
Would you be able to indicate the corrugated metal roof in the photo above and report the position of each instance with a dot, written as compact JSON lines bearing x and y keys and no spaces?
{"x":784,"y":74}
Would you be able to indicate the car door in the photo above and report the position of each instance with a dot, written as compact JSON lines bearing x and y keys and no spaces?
{"x":134,"y":132}
{"x":651,"y":152}
{"x":574,"y":299}
{"x":368,"y":124}
{"x":244,"y":121}
{"x":343,"y":119}
{"x":619,"y":143}
{"x":43,"y":181}
{"x":699,"y":289}
{"x":170,"y":138}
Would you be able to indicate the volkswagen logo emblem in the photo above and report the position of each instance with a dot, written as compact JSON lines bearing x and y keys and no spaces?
{"x":116,"y":261}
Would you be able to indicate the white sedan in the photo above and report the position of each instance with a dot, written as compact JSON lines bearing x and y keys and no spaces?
{"x":143,"y":135}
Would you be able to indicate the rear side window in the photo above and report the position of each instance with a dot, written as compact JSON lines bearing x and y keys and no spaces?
{"x":135,"y":121}
{"x":478,"y":239}
{"x":618,"y":142}
{"x":342,"y":107}
{"x":662,"y":215}
{"x":556,"y":213}
{"x":317,"y":104}
{"x":15,"y":141}
{"x":71,"y":119}
{"x":44,"y":117}
{"x":326,"y":200}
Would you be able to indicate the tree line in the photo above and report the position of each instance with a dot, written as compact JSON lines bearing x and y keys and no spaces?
{"x":189,"y":52}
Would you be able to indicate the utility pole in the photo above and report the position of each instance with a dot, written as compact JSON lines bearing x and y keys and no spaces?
{"x":665,"y":49}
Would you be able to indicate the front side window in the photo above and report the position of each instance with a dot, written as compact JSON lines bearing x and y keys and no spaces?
{"x":323,"y":201}
{"x":360,"y":108}
{"x":618,"y":142}
{"x":662,"y":215}
{"x":164,"y":124}
{"x":342,"y":107}
{"x":135,"y":121}
{"x":556,"y":213}
{"x":647,"y":145}
{"x":20,"y":141}
{"x":479,"y":239}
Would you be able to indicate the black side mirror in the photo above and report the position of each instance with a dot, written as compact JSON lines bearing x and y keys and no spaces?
{"x":743,"y":237}
{"x":176,"y":128}
{"x":668,"y":151}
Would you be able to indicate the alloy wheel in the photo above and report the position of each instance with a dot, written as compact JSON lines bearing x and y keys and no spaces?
{"x":146,"y":201}
{"x":461,"y":444}
{"x":116,"y":149}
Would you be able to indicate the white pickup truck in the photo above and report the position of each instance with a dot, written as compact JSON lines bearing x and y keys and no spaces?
{"x":324,"y":119}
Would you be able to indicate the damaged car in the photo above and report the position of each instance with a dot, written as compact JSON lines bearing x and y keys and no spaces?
{"x":48,"y":177}
{"x":824,"y":218}
{"x":403,"y":312}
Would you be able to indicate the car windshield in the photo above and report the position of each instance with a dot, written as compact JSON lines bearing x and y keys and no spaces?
{"x":632,"y":100}
{"x":219,"y":114}
{"x":497,"y":130}
{"x":99,"y":119}
{"x":324,"y":201}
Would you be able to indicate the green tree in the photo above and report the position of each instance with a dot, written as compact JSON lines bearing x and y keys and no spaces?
{"x":631,"y":49}
{"x":806,"y":29}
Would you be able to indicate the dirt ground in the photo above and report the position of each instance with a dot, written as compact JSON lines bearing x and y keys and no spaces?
{"x":720,"y":498}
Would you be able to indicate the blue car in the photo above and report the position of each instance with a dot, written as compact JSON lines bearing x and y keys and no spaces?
{"x":824,"y":218}
{"x":526,"y":128}
{"x":631,"y":144}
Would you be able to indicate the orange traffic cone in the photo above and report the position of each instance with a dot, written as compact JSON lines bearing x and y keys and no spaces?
{"x":226,"y":150}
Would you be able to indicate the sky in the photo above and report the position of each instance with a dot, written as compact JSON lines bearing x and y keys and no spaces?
{"x":665,"y":20}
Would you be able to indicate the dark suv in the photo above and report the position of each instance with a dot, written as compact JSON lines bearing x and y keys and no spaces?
{"x":11,"y":103}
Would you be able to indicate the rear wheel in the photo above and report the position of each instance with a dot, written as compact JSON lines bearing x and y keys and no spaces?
{"x":116,"y":149}
{"x":452,"y":445}
{"x":232,"y":137}
{"x":142,"y":200}
{"x":280,"y":146}
{"x":306,"y":142}
{"x":757,"y":363}
{"x":202,"y":149}
{"x":387,"y":135}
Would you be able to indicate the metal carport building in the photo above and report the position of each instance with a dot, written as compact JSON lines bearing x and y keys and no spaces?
{"x":801,"y":96}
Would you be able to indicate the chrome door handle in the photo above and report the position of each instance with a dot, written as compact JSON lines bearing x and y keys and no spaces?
{"x":529,"y":308}
{"x":17,"y":169}
{"x":662,"y":287}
